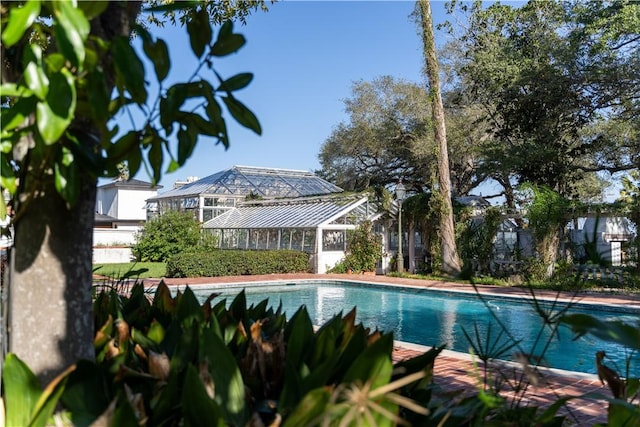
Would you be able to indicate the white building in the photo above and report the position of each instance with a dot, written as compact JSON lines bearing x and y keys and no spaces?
{"x":120,"y":212}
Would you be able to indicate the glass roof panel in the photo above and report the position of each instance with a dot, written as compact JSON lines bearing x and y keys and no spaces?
{"x":266,"y":182}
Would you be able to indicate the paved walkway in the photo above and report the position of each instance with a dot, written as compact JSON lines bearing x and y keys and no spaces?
{"x":454,"y":371}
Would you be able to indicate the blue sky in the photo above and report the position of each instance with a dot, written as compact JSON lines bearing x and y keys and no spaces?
{"x":305,"y":57}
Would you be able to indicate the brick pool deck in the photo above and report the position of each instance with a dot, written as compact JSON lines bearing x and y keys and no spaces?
{"x":454,"y":371}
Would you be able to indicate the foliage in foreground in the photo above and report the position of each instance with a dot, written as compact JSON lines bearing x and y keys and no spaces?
{"x":173,"y":360}
{"x":176,"y":361}
{"x":237,"y":263}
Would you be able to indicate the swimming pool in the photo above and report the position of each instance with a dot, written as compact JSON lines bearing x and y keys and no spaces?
{"x":432,"y":317}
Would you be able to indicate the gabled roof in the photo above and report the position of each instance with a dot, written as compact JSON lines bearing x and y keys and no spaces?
{"x":264,"y":182}
{"x":131,"y":183}
{"x":299,"y":213}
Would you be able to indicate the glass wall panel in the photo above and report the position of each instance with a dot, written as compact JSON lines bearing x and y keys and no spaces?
{"x":333,"y":240}
{"x":309,"y":240}
{"x":272,"y":238}
{"x":285,"y":238}
{"x":297,"y":236}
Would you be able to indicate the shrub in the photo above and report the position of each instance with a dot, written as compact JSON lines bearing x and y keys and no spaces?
{"x":166,"y":235}
{"x":364,"y":248}
{"x":236,"y":263}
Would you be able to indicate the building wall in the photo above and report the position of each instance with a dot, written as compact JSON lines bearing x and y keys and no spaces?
{"x":107,"y":201}
{"x":131,"y":204}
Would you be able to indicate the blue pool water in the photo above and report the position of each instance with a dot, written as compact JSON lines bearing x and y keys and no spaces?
{"x":430,"y":318}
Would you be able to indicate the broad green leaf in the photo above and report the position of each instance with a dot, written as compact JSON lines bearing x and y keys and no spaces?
{"x":374,"y":364}
{"x":54,"y":115}
{"x":242,"y":114}
{"x":238,"y":307}
{"x":55,"y":62}
{"x":72,"y":29}
{"x":123,"y":146}
{"x":189,"y":307}
{"x":186,"y":143}
{"x":226,"y":375}
{"x":199,"y":30}
{"x":130,"y":69}
{"x":155,"y":160}
{"x":236,"y":82}
{"x":310,"y":409}
{"x":36,"y":80}
{"x":14,"y":90}
{"x":16,"y":115}
{"x":156,"y":332}
{"x":21,"y":391}
{"x":46,"y":404}
{"x":88,"y":392}
{"x":198,"y":408}
{"x":158,"y":53}
{"x":227,"y":42}
{"x":20,"y":18}
{"x":299,"y":336}
{"x":66,"y":177}
{"x":195,"y":121}
{"x":134,"y":160}
{"x":612,"y":331}
{"x":92,"y":8}
{"x":228,"y":45}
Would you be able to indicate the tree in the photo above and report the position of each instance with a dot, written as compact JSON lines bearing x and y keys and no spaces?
{"x":388,"y":136}
{"x":384,"y":140}
{"x":450,"y":259}
{"x":67,"y":70}
{"x":559,"y":83}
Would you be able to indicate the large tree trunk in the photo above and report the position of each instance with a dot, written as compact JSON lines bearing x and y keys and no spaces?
{"x":50,"y":319}
{"x":450,"y":259}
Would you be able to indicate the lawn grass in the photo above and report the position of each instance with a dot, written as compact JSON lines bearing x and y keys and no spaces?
{"x":141,"y":270}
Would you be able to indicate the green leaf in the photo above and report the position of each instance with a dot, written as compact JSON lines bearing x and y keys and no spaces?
{"x":236,"y":82}
{"x":55,"y":114}
{"x":72,"y":29}
{"x":16,"y":115}
{"x":310,"y":409}
{"x":130,"y":69}
{"x":46,"y":404}
{"x":373,"y":364}
{"x":199,"y":31}
{"x":186,"y":143}
{"x":93,"y":8}
{"x":155,"y":160}
{"x":158,"y":53}
{"x":88,"y":392}
{"x":227,"y":42}
{"x":612,"y":331}
{"x":198,"y":408}
{"x":14,"y":90}
{"x":21,"y":391}
{"x":20,"y":18}
{"x":66,"y":177}
{"x":242,"y":114}
{"x":134,"y":160}
{"x":123,"y":146}
{"x":226,"y":375}
{"x":34,"y":74}
{"x":299,"y":336}
{"x":7,"y":177}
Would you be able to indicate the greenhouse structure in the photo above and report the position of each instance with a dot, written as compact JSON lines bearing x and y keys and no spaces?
{"x":250,"y":207}
{"x":213,"y":195}
{"x":317,"y":225}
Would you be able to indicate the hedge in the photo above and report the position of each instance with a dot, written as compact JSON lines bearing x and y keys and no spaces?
{"x":236,"y":263}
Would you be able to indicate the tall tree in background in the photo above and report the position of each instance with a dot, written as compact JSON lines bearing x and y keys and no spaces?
{"x":388,"y":136}
{"x":559,"y":83}
{"x":67,"y":70}
{"x":450,"y":259}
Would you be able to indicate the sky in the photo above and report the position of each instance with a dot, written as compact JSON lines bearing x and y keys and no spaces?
{"x":305,"y":57}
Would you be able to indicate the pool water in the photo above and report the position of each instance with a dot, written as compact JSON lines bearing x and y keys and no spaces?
{"x":431,"y":318}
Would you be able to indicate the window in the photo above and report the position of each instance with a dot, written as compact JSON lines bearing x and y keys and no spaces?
{"x":333,"y":240}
